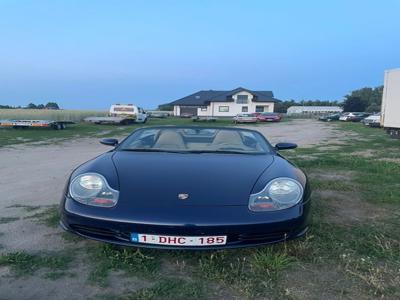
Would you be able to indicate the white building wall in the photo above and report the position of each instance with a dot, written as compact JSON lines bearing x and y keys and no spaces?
{"x":234,"y":108}
{"x":177,"y":110}
{"x":293,"y":110}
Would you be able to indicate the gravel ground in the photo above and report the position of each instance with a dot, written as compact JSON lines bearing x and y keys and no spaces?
{"x":35,"y":175}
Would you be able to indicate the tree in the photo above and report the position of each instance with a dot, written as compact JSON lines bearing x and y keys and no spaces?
{"x":354,"y":104}
{"x":31,"y":106}
{"x":166,"y":107}
{"x":281,"y":107}
{"x":52,"y":105}
{"x":40,"y":106}
{"x":371,"y":97}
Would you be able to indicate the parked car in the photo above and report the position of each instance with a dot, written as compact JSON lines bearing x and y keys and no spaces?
{"x":245,"y":118}
{"x":225,"y":188}
{"x":123,"y":114}
{"x":203,"y":119}
{"x":330,"y":117}
{"x":353,"y":116}
{"x":269,"y":117}
{"x":186,"y":115}
{"x":373,"y":120}
{"x":358,"y":117}
{"x":158,"y":114}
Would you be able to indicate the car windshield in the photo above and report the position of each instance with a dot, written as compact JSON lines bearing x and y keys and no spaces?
{"x":195,"y":140}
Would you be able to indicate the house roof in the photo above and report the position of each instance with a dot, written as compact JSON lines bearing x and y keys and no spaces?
{"x":205,"y":97}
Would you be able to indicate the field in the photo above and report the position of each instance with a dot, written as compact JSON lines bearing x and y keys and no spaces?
{"x":352,"y":250}
{"x":44,"y":114}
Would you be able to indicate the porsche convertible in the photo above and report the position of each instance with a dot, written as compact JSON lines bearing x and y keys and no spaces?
{"x":188,"y":187}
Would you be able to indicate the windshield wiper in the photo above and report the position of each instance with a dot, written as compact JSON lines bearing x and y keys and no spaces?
{"x":152,"y":150}
{"x":219,"y":151}
{"x":189,"y":151}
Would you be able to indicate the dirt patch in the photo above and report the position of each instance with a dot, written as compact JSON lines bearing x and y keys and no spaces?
{"x":364,"y":153}
{"x":391,"y":160}
{"x":348,"y":207}
{"x":313,"y":282}
{"x":334,"y":175}
{"x":73,"y":285}
{"x":305,"y":133}
{"x":329,"y":148}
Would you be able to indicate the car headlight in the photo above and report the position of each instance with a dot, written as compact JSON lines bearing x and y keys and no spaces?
{"x":93,"y":189}
{"x":279,"y":193}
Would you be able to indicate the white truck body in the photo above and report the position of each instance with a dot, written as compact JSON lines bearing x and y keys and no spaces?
{"x":121,"y":114}
{"x":390,"y":112}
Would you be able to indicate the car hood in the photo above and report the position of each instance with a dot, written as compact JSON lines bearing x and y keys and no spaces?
{"x":149,"y":179}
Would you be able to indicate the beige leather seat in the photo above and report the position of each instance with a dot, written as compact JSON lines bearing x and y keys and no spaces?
{"x":170,"y":139}
{"x":228,"y":137}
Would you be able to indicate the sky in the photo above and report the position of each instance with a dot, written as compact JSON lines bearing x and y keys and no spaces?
{"x":90,"y":54}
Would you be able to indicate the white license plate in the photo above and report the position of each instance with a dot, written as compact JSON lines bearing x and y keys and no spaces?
{"x":178,"y":240}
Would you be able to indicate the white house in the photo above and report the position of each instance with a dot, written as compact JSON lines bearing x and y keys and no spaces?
{"x":225,"y":103}
{"x":301,"y":110}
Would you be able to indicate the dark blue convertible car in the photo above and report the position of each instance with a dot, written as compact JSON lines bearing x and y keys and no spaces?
{"x":188,"y":187}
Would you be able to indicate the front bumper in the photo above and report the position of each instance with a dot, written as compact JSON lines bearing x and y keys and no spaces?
{"x":242,"y":228}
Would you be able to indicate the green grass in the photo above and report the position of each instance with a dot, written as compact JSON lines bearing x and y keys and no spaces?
{"x":49,"y":217}
{"x":27,"y":208}
{"x":24,"y":264}
{"x":170,"y":289}
{"x":106,"y":258}
{"x":5,"y":220}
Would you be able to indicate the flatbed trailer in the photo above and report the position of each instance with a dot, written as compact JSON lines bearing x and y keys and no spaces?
{"x":57,"y":125}
{"x":110,"y":120}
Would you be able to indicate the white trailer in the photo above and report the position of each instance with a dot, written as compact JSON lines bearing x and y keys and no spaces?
{"x":121,"y":114}
{"x":390,"y":112}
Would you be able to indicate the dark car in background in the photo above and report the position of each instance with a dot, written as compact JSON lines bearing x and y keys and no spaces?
{"x":188,"y":187}
{"x":269,"y":117}
{"x":358,"y":117}
{"x":330,"y":117}
{"x":353,"y":116}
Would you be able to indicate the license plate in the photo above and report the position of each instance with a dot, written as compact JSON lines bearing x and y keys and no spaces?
{"x":178,"y":240}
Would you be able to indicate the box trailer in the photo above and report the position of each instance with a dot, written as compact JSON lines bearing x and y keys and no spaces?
{"x":390,"y":112}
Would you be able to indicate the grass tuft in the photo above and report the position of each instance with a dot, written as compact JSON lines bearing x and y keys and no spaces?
{"x":50,"y":216}
{"x":134,"y":262}
{"x":5,"y":220}
{"x":171,"y":288}
{"x":22,"y":264}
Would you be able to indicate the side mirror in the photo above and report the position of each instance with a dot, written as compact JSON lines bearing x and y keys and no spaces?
{"x":285,"y":146}
{"x":109,"y":142}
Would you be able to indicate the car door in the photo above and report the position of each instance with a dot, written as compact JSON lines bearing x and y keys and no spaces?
{"x":141,"y":115}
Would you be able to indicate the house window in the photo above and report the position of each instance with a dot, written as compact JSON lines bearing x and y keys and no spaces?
{"x":245,"y":109}
{"x":204,"y":108}
{"x":223,"y":108}
{"x":242,"y":99}
{"x":260,"y":108}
